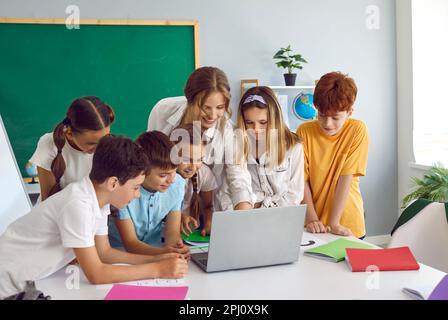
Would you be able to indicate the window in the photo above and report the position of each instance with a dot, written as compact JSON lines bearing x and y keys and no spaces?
{"x":430,"y":81}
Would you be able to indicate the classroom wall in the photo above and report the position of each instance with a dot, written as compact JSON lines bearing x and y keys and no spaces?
{"x":241,"y":37}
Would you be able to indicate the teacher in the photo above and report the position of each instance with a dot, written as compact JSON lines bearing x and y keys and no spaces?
{"x":207,"y":100}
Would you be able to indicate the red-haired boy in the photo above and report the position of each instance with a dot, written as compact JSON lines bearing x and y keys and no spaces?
{"x":336,"y":149}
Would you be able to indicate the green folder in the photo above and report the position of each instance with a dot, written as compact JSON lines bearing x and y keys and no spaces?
{"x":196,"y":237}
{"x":335,"y":250}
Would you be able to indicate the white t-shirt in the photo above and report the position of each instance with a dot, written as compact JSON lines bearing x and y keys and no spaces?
{"x":283,"y":186}
{"x":41,"y":242}
{"x":206,"y":182}
{"x":77,"y":163}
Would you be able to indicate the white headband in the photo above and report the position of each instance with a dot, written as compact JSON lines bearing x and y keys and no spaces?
{"x":254,"y":97}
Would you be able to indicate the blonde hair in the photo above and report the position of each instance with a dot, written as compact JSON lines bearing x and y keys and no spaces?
{"x":200,"y":84}
{"x":285,"y":138}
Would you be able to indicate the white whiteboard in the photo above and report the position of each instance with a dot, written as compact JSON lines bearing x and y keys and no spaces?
{"x":14,"y":200}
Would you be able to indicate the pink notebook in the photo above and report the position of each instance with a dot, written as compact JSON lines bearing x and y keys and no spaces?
{"x":129,"y":292}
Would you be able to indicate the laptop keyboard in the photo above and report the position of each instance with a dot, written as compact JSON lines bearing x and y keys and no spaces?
{"x":201,"y":258}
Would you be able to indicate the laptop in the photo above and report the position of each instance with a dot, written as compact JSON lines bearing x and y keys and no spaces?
{"x":253,"y":238}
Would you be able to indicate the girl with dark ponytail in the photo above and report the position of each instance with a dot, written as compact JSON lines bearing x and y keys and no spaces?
{"x":201,"y":182}
{"x":65,"y":155}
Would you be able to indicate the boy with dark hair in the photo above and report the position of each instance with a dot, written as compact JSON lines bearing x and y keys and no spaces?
{"x":139,"y":227}
{"x":73,"y":224}
{"x":336,"y":149}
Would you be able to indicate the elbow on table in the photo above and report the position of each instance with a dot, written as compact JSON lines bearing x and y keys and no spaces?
{"x":96,"y":276}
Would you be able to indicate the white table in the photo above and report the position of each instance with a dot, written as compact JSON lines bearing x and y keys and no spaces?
{"x":309,"y":278}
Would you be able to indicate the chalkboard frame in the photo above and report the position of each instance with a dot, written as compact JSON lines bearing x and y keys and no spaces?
{"x":130,"y":22}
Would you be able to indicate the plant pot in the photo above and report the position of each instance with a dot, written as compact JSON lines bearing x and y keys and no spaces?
{"x":290,"y":79}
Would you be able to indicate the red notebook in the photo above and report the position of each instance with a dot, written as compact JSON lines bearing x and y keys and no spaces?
{"x":393,"y":259}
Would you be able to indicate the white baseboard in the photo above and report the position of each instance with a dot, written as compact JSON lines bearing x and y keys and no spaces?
{"x":379,"y":240}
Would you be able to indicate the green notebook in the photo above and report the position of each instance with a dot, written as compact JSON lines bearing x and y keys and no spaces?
{"x":196,"y":237}
{"x":335,"y":250}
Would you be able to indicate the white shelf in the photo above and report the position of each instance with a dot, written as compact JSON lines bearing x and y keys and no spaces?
{"x":292,"y":87}
{"x":32,"y":188}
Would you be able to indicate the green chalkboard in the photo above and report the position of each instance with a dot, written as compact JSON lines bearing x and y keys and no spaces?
{"x":44,"y":67}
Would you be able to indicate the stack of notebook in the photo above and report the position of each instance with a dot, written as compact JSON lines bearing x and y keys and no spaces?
{"x":362,"y":257}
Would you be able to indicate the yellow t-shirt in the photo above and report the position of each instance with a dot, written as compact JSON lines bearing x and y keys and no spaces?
{"x":329,"y":157}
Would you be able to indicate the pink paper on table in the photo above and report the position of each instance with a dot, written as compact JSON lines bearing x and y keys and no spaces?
{"x":128,"y":292}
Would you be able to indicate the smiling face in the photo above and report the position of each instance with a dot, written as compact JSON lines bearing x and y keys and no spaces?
{"x":331,"y":124}
{"x":212,"y":110}
{"x":159,"y":180}
{"x":86,"y":141}
{"x":122,"y":195}
{"x":256,"y":122}
{"x":191,"y":160}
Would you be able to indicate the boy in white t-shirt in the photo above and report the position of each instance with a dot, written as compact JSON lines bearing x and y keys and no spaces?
{"x":73,"y":224}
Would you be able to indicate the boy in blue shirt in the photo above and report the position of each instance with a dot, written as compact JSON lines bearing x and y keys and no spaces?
{"x":139,"y":227}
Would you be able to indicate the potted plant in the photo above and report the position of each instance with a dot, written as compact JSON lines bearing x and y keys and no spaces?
{"x":433,"y":186}
{"x":290,"y":61}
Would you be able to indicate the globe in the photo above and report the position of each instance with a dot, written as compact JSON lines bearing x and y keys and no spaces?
{"x":31,"y":170}
{"x":303,"y":107}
